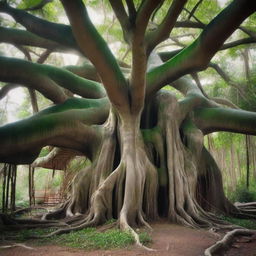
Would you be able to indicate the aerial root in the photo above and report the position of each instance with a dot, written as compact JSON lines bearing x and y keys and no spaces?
{"x":94,"y":218}
{"x":126,"y":227}
{"x":144,"y":223}
{"x":227,"y":241}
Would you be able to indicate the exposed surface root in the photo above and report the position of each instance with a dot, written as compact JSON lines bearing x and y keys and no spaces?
{"x":246,"y":210}
{"x":68,"y":230}
{"x":219,"y":247}
{"x":16,"y":245}
{"x":9,"y":223}
{"x":251,"y":205}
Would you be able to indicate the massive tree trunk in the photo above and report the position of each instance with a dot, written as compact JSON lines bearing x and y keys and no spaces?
{"x":146,"y":168}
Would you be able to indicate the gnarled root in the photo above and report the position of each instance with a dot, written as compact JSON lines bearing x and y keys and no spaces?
{"x":223,"y":245}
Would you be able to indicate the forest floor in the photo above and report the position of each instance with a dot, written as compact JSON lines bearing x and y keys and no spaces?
{"x":167,"y":239}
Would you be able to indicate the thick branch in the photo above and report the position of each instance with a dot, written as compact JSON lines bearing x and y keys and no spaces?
{"x":137,"y":81}
{"x":66,"y":125}
{"x":122,"y":17}
{"x":79,"y":103}
{"x":197,"y":55}
{"x":223,"y":26}
{"x":165,"y":28}
{"x":139,"y":57}
{"x":57,"y":159}
{"x":146,"y":8}
{"x":6,"y":88}
{"x":23,"y":37}
{"x":26,"y":73}
{"x":225,"y":119}
{"x":96,"y":49}
{"x":59,"y":33}
{"x":168,"y":55}
{"x":48,"y":79}
{"x":132,"y":10}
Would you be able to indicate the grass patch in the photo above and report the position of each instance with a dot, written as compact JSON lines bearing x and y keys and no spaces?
{"x":88,"y":239}
{"x":91,"y":239}
{"x":25,"y":234}
{"x":250,"y":224}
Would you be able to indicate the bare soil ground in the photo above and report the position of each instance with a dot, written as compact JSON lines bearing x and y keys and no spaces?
{"x":168,"y":240}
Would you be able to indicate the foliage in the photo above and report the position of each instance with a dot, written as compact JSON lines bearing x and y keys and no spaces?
{"x":89,"y":238}
{"x":243,"y":195}
{"x":250,"y":224}
{"x":49,"y":11}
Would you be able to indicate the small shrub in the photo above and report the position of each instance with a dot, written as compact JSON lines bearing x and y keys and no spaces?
{"x":243,"y":195}
{"x":90,"y":238}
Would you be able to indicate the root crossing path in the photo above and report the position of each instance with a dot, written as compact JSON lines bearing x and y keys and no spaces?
{"x":167,"y":240}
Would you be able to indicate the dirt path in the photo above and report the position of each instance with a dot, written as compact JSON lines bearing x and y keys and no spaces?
{"x":168,"y":240}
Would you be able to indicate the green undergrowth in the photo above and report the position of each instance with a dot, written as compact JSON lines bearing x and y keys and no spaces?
{"x":250,"y":224}
{"x":243,"y":194}
{"x":88,"y":239}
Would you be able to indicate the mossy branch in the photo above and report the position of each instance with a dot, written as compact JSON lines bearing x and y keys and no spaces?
{"x":225,"y":119}
{"x":66,"y":125}
{"x":96,"y":49}
{"x":48,"y":80}
{"x":197,"y":55}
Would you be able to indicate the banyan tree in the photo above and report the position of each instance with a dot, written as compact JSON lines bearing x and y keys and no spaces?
{"x":146,"y":147}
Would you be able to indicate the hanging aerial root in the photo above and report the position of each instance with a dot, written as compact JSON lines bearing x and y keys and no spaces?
{"x":225,"y":243}
{"x":126,"y":227}
{"x":147,"y":179}
{"x":183,"y":160}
